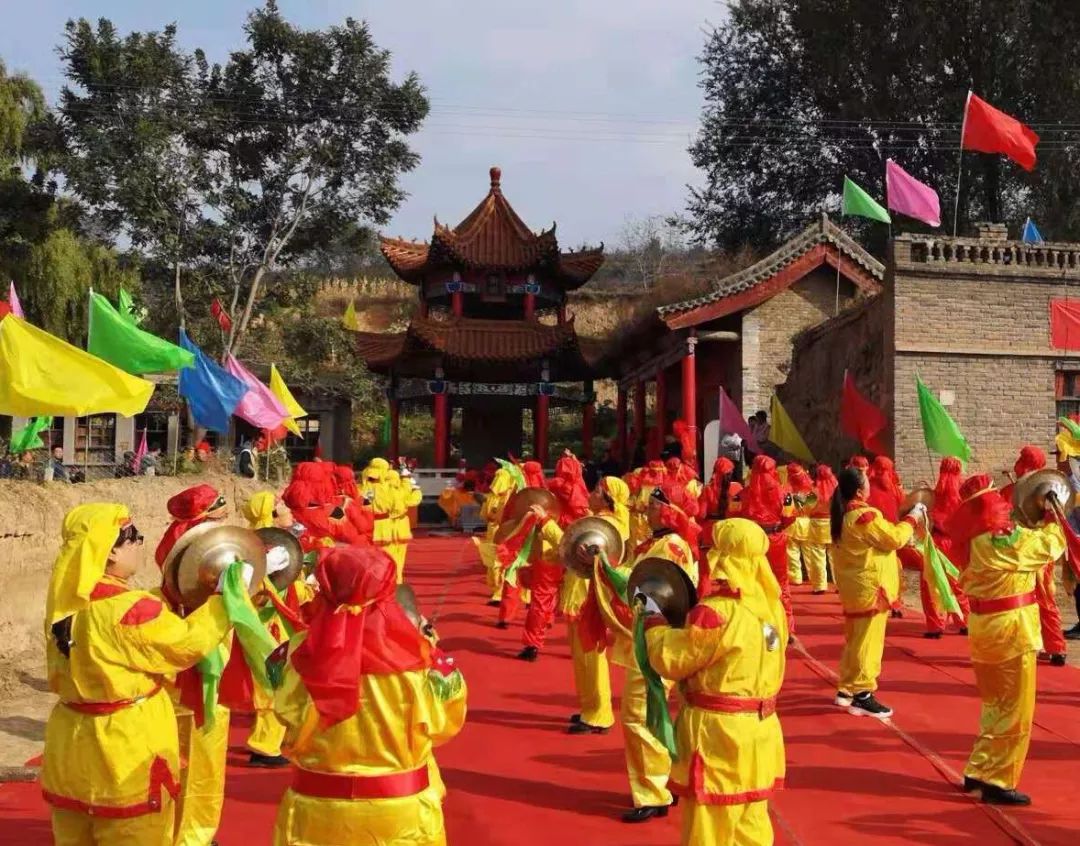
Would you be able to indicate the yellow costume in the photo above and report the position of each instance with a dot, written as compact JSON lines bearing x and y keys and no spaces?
{"x":868,"y":580}
{"x":259,"y":510}
{"x":111,"y":765}
{"x":502,"y":488}
{"x":1004,"y":634}
{"x":729,"y":663}
{"x":388,"y":501}
{"x":409,"y":496}
{"x":647,"y":761}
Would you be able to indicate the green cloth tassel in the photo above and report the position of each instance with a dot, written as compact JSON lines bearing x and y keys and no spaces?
{"x":1074,"y":428}
{"x":619,"y":581}
{"x":255,"y":641}
{"x":657,"y":715}
{"x":522,"y":557}
{"x":210,"y":669}
{"x":939,"y":567}
{"x":515,"y":473}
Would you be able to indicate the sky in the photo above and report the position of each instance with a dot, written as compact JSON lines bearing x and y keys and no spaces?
{"x":588,"y":106}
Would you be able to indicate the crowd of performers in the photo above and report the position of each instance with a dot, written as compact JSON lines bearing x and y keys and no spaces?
{"x":357,"y":694}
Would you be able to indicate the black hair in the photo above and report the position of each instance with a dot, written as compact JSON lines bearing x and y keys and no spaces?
{"x":849,"y":483}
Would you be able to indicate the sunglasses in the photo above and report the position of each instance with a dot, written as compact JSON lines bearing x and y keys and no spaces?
{"x":129,"y":534}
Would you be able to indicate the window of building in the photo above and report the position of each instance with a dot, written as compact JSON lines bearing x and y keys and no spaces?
{"x":303,"y":449}
{"x":95,"y":439}
{"x":54,"y":437}
{"x":156,"y":426}
{"x":1067,"y":392}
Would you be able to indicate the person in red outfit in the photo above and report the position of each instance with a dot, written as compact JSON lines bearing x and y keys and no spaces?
{"x":717,"y":496}
{"x":765,"y":501}
{"x":887,"y":495}
{"x":188,"y":509}
{"x":359,"y":515}
{"x":1032,"y":458}
{"x":309,"y":497}
{"x":946,"y":501}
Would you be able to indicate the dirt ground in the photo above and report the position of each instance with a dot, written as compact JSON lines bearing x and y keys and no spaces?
{"x":31,"y":515}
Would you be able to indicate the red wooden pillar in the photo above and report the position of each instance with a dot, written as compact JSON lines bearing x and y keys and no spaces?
{"x":588,"y":412}
{"x":530,"y":306}
{"x":442,"y":430}
{"x":395,"y":444}
{"x":620,"y":425}
{"x":661,"y":408}
{"x":639,"y":416}
{"x":540,"y":429}
{"x":689,"y":398}
{"x":457,"y":303}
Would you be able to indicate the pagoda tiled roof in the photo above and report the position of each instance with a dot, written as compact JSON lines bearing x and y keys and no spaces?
{"x":492,"y":238}
{"x":865,"y":271}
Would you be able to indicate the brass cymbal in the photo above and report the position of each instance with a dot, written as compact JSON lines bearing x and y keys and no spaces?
{"x":667,"y":585}
{"x":273,"y":537}
{"x":168,"y":568}
{"x":518,"y":506}
{"x":919,"y":495}
{"x":204,"y":560}
{"x":1034,"y":493}
{"x":585,"y":539}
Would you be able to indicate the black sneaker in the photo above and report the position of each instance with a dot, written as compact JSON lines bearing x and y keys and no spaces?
{"x":502,"y":624}
{"x":529,"y":653}
{"x":494,"y":603}
{"x":268,"y":762}
{"x":865,"y":705}
{"x":962,"y":630}
{"x":1073,"y":633}
{"x":584,"y":728}
{"x":640,"y":815}
{"x":1000,"y":796}
{"x":1057,"y":659}
{"x":973,"y":784}
{"x":896,"y":613}
{"x":575,"y":718}
{"x":932,"y":635}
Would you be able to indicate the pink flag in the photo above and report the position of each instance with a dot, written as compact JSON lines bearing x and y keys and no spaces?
{"x":732,"y":422}
{"x":13,"y":301}
{"x":909,"y":196}
{"x":259,"y":407}
{"x":140,"y":453}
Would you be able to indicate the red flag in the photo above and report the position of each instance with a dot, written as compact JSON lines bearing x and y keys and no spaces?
{"x":861,"y":419}
{"x":220,"y":315}
{"x":988,"y":130}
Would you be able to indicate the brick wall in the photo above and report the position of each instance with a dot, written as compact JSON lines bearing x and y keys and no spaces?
{"x":853,"y":341}
{"x":768,"y":331}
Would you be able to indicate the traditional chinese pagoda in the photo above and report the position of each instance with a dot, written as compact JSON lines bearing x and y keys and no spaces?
{"x":491,"y":335}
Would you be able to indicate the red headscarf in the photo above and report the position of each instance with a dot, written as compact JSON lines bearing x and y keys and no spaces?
{"x":712,"y":494}
{"x":947,"y":491}
{"x":886,"y":493}
{"x":569,"y":486}
{"x":357,"y":629}
{"x":798,"y":479}
{"x":1031,"y":459}
{"x":982,"y":509}
{"x":312,"y":484}
{"x":678,"y":513}
{"x":534,"y":474}
{"x":860,"y":462}
{"x":188,"y":509}
{"x":825,"y":482}
{"x":345,"y":481}
{"x":763,"y":496}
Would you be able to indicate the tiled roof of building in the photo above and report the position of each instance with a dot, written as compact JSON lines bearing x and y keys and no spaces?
{"x":492,"y":238}
{"x":867,"y":270}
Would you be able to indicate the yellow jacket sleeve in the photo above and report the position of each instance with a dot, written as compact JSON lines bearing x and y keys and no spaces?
{"x":883,"y":535}
{"x":169,"y":643}
{"x":677,"y":654}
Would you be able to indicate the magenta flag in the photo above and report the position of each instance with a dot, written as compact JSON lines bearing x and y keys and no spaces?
{"x":13,"y":301}
{"x":732,"y":422}
{"x":140,"y":453}
{"x":259,"y":407}
{"x":909,"y":196}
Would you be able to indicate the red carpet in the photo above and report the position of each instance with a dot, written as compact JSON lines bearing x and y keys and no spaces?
{"x":515,"y":777}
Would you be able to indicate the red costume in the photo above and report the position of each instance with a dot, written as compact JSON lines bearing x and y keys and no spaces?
{"x":763,"y":501}
{"x":309,"y":496}
{"x":1031,"y":459}
{"x":946,"y":501}
{"x":717,"y":496}
{"x":360,"y":517}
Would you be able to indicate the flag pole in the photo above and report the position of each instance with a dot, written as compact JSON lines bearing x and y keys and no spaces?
{"x":960,"y":166}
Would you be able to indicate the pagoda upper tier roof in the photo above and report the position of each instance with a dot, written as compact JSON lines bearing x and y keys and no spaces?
{"x":462,"y":344}
{"x":492,"y":238}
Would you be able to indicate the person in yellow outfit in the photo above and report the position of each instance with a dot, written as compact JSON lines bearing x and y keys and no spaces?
{"x":803,"y":500}
{"x":265,"y":510}
{"x":365,"y":699}
{"x":503,"y":486}
{"x":648,"y":764}
{"x":642,"y":482}
{"x":867,"y":577}
{"x":999,"y":563}
{"x":379,"y":487}
{"x":112,"y":762}
{"x":729,"y":664}
{"x":410,"y":497}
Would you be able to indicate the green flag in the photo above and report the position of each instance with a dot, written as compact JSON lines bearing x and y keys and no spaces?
{"x":942,"y":434}
{"x":126,"y":307}
{"x":121,"y":343}
{"x":858,"y":202}
{"x":29,"y":436}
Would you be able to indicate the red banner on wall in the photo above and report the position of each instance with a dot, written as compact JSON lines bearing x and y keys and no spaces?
{"x":1065,"y":324}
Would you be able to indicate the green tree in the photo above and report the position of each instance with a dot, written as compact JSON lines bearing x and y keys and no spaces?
{"x":793,"y":104}
{"x":21,"y":105}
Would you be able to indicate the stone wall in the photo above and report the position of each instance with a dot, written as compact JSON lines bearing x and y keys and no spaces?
{"x":972,"y":319}
{"x":768,"y":331}
{"x":854,"y":341}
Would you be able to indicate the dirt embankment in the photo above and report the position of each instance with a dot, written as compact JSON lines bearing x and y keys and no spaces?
{"x":30,"y":519}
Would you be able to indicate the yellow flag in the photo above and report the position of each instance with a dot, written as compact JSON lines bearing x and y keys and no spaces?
{"x":351,"y":321}
{"x":280,"y":390}
{"x":783,"y":433}
{"x":41,"y":375}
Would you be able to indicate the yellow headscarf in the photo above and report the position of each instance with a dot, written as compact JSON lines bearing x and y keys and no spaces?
{"x":738,"y":557}
{"x":89,"y":533}
{"x":619,"y":493}
{"x":259,"y":510}
{"x":1067,"y":445}
{"x":502,"y":483}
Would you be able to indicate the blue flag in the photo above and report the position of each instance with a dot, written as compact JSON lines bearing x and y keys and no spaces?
{"x":1031,"y":233}
{"x":212,"y":393}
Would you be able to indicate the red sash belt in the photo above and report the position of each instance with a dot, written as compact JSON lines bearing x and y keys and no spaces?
{"x":341,"y":786}
{"x":378,"y":515}
{"x":1001,"y":603}
{"x":98,"y":709}
{"x":732,"y":704}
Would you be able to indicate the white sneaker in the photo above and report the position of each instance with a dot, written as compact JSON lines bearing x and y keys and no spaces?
{"x":843,"y":700}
